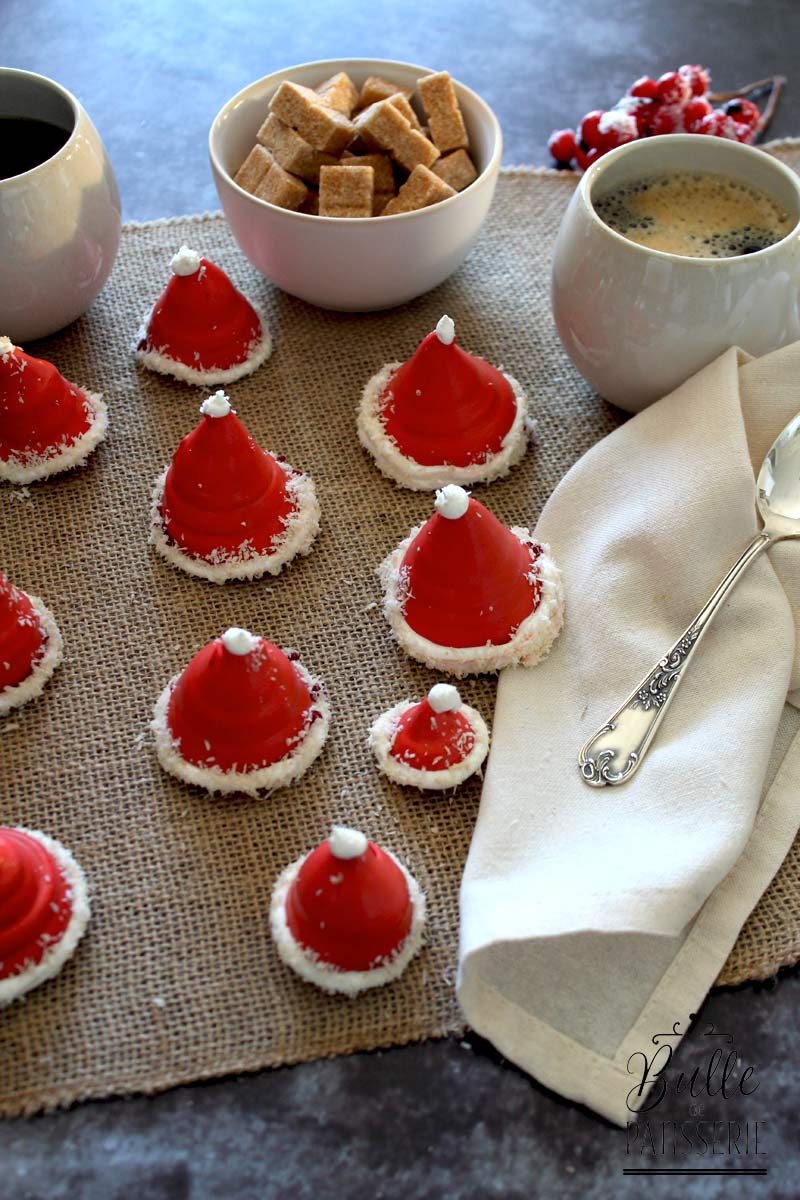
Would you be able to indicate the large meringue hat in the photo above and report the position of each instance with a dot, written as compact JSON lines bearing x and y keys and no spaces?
{"x":443,"y":416}
{"x":241,"y":717}
{"x":226,"y":508}
{"x":47,"y":425}
{"x":202,"y":329}
{"x":44,"y":909}
{"x":30,"y":646}
{"x":465,"y":593}
{"x":347,"y":916}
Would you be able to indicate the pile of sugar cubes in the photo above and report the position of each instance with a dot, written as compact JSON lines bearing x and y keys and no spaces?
{"x":336,"y":152}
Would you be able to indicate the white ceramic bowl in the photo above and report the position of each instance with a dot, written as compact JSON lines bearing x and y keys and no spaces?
{"x":352,"y":264}
{"x":637,"y":322}
{"x":60,"y":221}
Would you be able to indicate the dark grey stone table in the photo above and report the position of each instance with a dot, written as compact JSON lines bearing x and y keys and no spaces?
{"x":442,"y":1119}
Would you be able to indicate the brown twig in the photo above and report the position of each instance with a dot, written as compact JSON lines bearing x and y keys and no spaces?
{"x":775,"y":84}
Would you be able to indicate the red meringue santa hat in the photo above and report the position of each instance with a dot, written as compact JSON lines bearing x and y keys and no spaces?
{"x":443,"y":416}
{"x":433,"y":744}
{"x":44,"y":908}
{"x":226,"y":508}
{"x":243,"y":716}
{"x":465,"y":594}
{"x":347,"y":916}
{"x":202,"y":330}
{"x":47,"y":425}
{"x":30,"y":646}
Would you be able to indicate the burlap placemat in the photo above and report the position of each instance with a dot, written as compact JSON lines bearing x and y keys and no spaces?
{"x":177,"y":978}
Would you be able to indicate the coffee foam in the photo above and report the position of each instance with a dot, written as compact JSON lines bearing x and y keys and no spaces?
{"x":696,"y":214}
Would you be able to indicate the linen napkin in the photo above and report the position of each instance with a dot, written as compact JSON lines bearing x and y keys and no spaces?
{"x":592,"y":919}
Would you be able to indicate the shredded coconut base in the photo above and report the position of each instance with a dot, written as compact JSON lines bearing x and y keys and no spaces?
{"x":297,"y":538}
{"x":285,"y":771}
{"x":391,"y":462}
{"x":531,"y":642}
{"x":56,"y":955}
{"x":68,"y":454}
{"x":158,"y":360}
{"x":381,"y":738}
{"x":30,"y":687}
{"x":332,"y":979}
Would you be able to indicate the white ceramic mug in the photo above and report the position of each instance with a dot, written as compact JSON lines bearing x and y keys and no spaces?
{"x":60,"y":221}
{"x":638,"y":322}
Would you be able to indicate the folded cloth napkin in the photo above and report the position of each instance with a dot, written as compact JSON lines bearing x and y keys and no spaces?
{"x":593,"y":919}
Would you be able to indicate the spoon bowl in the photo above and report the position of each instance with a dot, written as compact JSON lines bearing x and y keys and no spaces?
{"x":778,"y":484}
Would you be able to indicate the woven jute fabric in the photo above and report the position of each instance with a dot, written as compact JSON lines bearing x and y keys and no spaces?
{"x":177,"y":978}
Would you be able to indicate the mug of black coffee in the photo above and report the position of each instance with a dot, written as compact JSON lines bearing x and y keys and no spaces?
{"x":59,"y":207}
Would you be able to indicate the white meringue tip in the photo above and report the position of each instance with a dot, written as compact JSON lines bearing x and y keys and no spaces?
{"x":443,"y":697}
{"x":347,"y":843}
{"x":6,"y":345}
{"x":185,"y":262}
{"x":446,"y":330}
{"x":217,"y":405}
{"x":452,"y":501}
{"x":239,"y":641}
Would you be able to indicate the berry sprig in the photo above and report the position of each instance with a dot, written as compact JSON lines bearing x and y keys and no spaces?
{"x":677,"y":102}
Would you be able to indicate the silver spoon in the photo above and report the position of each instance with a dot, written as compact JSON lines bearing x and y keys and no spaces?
{"x":615,"y":752}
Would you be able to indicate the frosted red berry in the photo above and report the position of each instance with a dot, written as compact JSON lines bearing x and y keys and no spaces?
{"x":645,"y":87}
{"x":585,"y":158}
{"x":694,"y":112}
{"x":616,"y":128}
{"x":674,"y":88}
{"x":562,"y":146}
{"x":697,"y":77}
{"x":588,"y":132}
{"x":667,"y":119}
{"x":743,"y":111}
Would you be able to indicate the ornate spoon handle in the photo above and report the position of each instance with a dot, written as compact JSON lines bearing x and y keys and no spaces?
{"x":615,"y":752}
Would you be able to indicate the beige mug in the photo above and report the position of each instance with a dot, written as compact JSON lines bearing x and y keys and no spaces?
{"x":59,"y":221}
{"x":638,"y":322}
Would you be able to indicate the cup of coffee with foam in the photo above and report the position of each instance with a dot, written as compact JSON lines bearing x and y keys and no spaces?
{"x":59,"y":207}
{"x":673,"y":249}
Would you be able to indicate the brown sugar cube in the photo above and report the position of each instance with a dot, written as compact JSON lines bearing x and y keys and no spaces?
{"x":382,"y":127}
{"x":379,"y":202}
{"x":444,"y":115}
{"x":346,"y":191}
{"x":291,"y":151}
{"x":340,"y":92}
{"x":457,"y":169}
{"x":253,"y":169}
{"x":402,"y":105}
{"x":381,"y":165}
{"x":311,"y":204}
{"x":322,"y":126}
{"x":420,"y":189}
{"x":280,"y":188}
{"x":376,"y":88}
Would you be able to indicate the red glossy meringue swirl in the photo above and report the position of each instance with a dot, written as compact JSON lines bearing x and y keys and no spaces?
{"x":22,"y":638}
{"x":202,"y":320}
{"x":238,"y":711}
{"x":469,"y":581}
{"x":40,"y":412}
{"x":447,"y":406}
{"x":35,"y":903}
{"x":352,"y":913}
